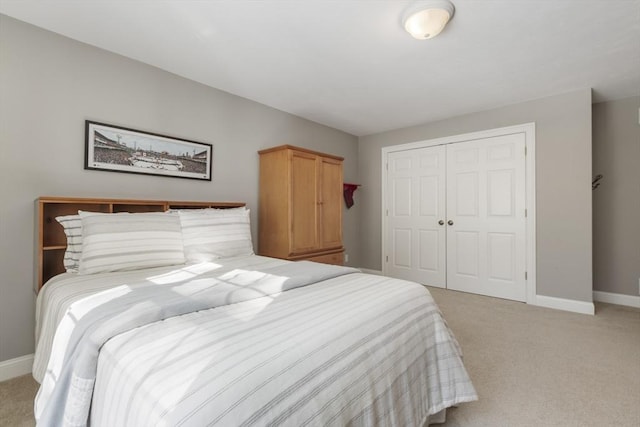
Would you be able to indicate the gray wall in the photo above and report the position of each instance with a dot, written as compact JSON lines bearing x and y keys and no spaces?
{"x":563,"y":191}
{"x":616,"y":202}
{"x":50,"y":84}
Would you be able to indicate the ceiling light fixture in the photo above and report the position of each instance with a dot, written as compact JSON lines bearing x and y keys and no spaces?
{"x":428,"y":19}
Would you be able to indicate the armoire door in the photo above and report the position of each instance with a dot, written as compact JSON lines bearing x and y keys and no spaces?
{"x":330,"y":203}
{"x":416,"y":214}
{"x":304,"y":202}
{"x":456,"y":216}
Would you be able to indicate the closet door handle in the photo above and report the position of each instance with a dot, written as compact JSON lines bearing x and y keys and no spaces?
{"x":441,"y":222}
{"x":450,"y":222}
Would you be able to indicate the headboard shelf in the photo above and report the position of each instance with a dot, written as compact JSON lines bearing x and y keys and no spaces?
{"x":52,"y":241}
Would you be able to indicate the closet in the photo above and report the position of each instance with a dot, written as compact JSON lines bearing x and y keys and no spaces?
{"x":455,"y":215}
{"x":300,"y":205}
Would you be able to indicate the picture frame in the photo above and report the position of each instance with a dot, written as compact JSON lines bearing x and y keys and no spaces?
{"x":119,"y":149}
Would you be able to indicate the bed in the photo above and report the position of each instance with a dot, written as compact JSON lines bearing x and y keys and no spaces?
{"x":221,"y":336}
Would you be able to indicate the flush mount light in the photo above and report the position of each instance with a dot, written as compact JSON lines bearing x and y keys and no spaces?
{"x":428,"y":18}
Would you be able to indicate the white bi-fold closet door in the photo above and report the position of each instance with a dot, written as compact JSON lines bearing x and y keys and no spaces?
{"x":456,"y":216}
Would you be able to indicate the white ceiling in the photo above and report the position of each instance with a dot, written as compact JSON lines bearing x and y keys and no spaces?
{"x":349,"y":64}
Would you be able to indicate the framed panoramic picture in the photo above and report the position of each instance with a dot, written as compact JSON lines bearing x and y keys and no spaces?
{"x":118,"y":149}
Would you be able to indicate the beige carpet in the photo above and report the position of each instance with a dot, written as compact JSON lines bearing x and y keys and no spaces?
{"x":534,"y":366}
{"x":16,"y":402}
{"x":531,"y":366}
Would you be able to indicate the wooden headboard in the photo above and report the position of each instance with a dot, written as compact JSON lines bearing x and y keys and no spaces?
{"x":52,"y":241}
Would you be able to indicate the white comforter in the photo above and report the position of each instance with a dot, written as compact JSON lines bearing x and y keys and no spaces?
{"x":356,"y":349}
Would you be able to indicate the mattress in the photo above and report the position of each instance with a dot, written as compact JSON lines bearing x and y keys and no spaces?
{"x":355,"y":349}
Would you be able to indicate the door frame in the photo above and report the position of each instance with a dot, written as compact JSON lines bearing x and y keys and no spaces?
{"x":529,"y":131}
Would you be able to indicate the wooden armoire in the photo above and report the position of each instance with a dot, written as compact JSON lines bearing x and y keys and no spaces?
{"x":300,"y":215}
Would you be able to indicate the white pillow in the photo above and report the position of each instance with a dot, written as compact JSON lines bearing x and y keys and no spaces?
{"x":72,"y":225}
{"x":209,"y":234}
{"x":116,"y":242}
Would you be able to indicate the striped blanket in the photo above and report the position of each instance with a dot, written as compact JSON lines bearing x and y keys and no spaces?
{"x":257,"y":346}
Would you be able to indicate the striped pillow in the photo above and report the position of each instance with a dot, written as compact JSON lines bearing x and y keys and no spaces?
{"x":72,"y":225}
{"x":215,"y":233}
{"x":116,"y":242}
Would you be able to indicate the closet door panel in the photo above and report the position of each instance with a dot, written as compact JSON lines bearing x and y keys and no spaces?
{"x":486,"y":199}
{"x":416,"y":200}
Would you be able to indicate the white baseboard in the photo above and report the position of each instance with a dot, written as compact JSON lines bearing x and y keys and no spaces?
{"x":620,"y":299}
{"x":16,"y":367}
{"x":574,"y":306}
{"x":369,"y":271}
